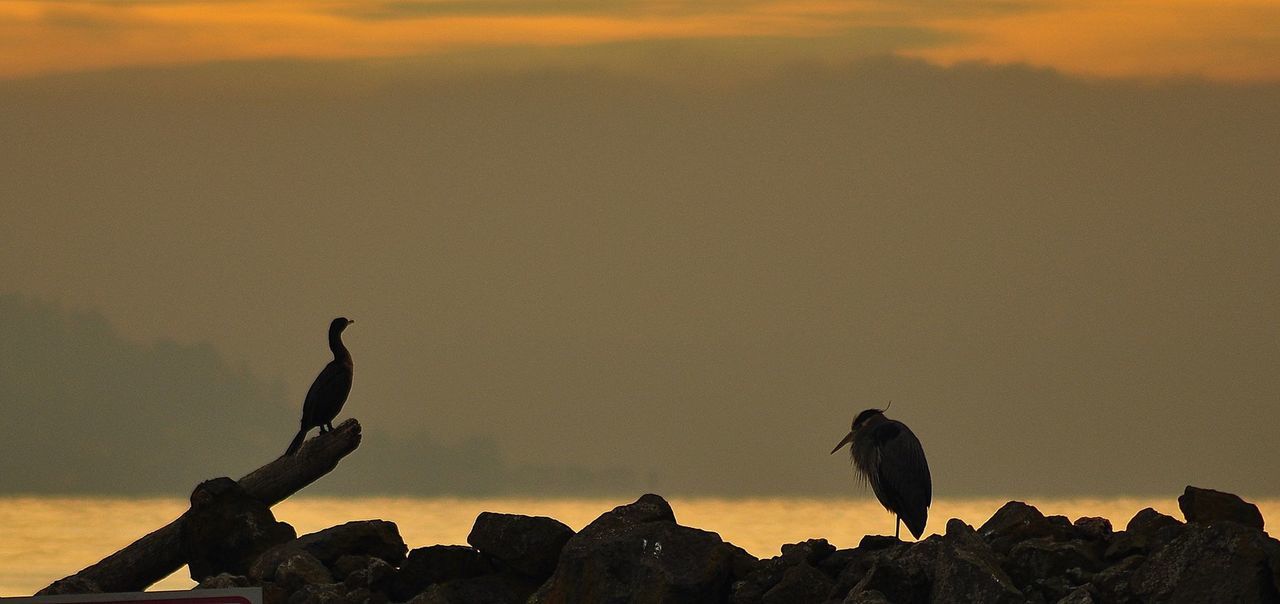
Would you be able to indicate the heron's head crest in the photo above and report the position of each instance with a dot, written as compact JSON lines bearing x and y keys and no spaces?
{"x":863,"y":417}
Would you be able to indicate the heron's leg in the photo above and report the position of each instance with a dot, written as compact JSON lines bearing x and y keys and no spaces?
{"x":897,"y":526}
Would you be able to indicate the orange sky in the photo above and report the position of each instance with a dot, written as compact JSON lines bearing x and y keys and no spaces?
{"x":1219,"y":39}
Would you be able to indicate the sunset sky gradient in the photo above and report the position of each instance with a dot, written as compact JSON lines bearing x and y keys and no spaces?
{"x":1216,"y":39}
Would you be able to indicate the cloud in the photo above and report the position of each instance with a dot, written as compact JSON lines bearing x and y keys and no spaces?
{"x":1184,"y":38}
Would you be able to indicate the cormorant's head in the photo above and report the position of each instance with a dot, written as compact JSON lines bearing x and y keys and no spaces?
{"x":339,"y":324}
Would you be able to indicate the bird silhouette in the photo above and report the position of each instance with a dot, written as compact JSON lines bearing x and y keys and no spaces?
{"x":889,"y":456}
{"x":329,"y":391}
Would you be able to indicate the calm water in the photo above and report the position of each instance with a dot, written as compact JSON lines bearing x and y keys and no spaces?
{"x":48,"y":538}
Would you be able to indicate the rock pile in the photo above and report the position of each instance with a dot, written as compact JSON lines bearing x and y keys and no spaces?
{"x":639,"y":553}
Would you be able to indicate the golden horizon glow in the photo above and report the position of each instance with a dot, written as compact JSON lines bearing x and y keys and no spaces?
{"x":1234,"y":41}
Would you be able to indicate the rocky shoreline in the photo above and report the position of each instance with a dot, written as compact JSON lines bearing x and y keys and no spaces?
{"x":638,"y":552}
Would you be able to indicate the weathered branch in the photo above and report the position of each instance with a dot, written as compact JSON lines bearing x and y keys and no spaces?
{"x":158,"y":554}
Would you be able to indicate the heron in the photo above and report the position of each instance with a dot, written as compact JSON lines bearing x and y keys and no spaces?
{"x":330,"y":389}
{"x":889,"y":456}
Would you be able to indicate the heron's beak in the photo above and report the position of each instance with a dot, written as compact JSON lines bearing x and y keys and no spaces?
{"x":847,"y":439}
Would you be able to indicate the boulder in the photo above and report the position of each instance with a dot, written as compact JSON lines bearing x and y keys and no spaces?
{"x":377,"y":538}
{"x":1092,"y":528}
{"x":500,"y":588}
{"x":526,"y":544}
{"x":967,"y":570}
{"x":1080,"y":595}
{"x":760,"y":576}
{"x":1043,"y":557}
{"x":956,"y":567}
{"x":375,"y":576}
{"x":1012,"y":523}
{"x":859,"y":562}
{"x":1208,"y":505}
{"x":812,"y":551}
{"x":637,"y":553}
{"x":224,"y":581}
{"x":273,"y":594}
{"x":835,"y":563}
{"x":226,"y":529}
{"x":362,"y":595}
{"x":1112,"y":584}
{"x":878,"y":542}
{"x":800,"y":584}
{"x":1148,"y":522}
{"x":345,"y":565}
{"x":903,"y":575}
{"x":330,"y":593}
{"x":866,"y":597}
{"x":427,"y":566}
{"x":301,"y":569}
{"x":1147,"y":532}
{"x":1218,"y":562}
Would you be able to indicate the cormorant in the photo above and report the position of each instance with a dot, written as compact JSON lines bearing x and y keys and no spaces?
{"x":889,"y":456}
{"x":330,"y":390}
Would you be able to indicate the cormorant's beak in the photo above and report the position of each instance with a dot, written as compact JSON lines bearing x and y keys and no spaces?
{"x":350,"y":321}
{"x":847,"y":439}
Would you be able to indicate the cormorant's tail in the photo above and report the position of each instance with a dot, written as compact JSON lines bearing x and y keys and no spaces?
{"x":297,"y":442}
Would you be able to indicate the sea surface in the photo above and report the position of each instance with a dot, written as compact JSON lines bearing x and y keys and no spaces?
{"x":46,"y":538}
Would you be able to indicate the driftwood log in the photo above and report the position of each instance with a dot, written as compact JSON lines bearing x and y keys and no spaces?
{"x":159,"y":554}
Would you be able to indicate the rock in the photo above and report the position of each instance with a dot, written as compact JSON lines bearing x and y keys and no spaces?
{"x":1062,"y":527}
{"x":362,"y":595}
{"x":501,"y":588}
{"x":1080,"y":595}
{"x":301,"y":569}
{"x":1218,"y":562}
{"x":956,"y":567}
{"x":345,"y":565}
{"x":967,"y":570}
{"x":1148,"y":522}
{"x":330,"y":593}
{"x":811,"y":552}
{"x":1146,"y":533}
{"x":377,"y":538}
{"x":1112,"y":584}
{"x":1208,"y":505}
{"x":1043,"y":557}
{"x":274,"y":594}
{"x":835,"y":563}
{"x":526,"y":544}
{"x":867,"y":597}
{"x":226,"y":530}
{"x":875,"y":542}
{"x":860,"y":562}
{"x":224,"y":581}
{"x":427,"y":566}
{"x":760,"y":576}
{"x":1014,"y":522}
{"x":376,"y":576}
{"x":1093,"y":528}
{"x":903,"y":575}
{"x":800,"y":584}
{"x":637,"y":553}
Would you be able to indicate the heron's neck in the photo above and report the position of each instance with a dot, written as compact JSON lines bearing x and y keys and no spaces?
{"x":340,"y":352}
